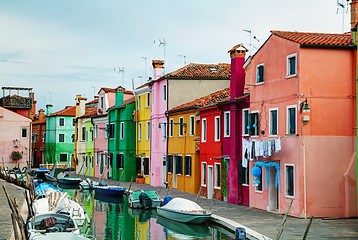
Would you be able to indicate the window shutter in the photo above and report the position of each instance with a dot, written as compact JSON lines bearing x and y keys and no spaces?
{"x":241,"y":173}
{"x":292,"y":120}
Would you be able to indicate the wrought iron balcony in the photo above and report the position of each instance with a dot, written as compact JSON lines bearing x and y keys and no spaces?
{"x":16,"y":102}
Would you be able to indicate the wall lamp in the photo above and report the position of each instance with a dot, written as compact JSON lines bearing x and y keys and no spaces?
{"x":164,"y":123}
{"x":304,"y":107}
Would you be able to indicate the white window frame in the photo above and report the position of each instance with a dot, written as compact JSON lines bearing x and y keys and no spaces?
{"x":270,"y":122}
{"x":204,"y":130}
{"x":181,"y":127}
{"x":27,"y":132}
{"x":138,"y":103}
{"x":243,"y":122}
{"x":257,"y":74}
{"x":148,"y":131}
{"x":217,"y":128}
{"x":121,"y":135}
{"x":165,"y":93}
{"x":192,"y":125}
{"x":288,"y":65}
{"x":191,"y":164}
{"x":59,"y":122}
{"x":226,"y":126}
{"x":139,"y":132}
{"x":286,"y":180}
{"x":288,"y":119}
{"x":215,"y":177}
{"x":64,"y":137}
{"x":202,"y":174}
{"x":171,"y":127}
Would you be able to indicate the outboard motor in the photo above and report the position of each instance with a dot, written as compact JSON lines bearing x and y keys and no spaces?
{"x":145,"y":200}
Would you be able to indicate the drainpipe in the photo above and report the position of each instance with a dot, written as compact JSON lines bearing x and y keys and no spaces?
{"x":355,"y":43}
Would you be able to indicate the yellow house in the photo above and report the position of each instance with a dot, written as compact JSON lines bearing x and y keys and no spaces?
{"x":183,"y":159}
{"x":142,"y":118}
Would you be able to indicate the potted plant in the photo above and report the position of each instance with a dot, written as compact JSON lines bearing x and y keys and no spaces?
{"x":139,"y":179}
{"x":16,"y":155}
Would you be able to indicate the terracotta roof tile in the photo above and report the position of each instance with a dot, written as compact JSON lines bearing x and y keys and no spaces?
{"x":117,"y":89}
{"x":93,"y":101}
{"x":146,"y":84}
{"x":207,"y":101}
{"x":128,"y":101}
{"x":201,"y":71}
{"x":69,"y":111}
{"x":90,"y":112}
{"x":328,"y":39}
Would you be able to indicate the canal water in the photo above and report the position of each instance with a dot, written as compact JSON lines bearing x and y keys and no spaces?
{"x":111,"y":218}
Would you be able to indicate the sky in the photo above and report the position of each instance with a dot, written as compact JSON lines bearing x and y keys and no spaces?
{"x":65,"y":48}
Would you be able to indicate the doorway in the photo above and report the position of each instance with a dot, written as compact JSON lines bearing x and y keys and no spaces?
{"x":164,"y":170}
{"x":174,"y":174}
{"x":210,"y":182}
{"x":273,"y":192}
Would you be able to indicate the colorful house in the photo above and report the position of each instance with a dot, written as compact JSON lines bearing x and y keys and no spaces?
{"x":142,"y":121}
{"x":173,"y":89}
{"x":15,"y":137}
{"x":301,"y":126}
{"x":38,"y":139}
{"x":60,"y":135}
{"x":121,"y":137}
{"x":25,"y":106}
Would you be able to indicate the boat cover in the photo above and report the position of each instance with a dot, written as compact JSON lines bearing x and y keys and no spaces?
{"x":182,"y":204}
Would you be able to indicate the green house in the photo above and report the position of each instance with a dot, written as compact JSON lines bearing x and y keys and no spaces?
{"x":59,"y":136}
{"x":121,"y":138}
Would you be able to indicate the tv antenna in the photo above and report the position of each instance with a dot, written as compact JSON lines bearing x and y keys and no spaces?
{"x":258,"y":42}
{"x":163,"y":43}
{"x":344,"y":9}
{"x":120,"y":70}
{"x":145,"y":67}
{"x":183,"y":56}
{"x":249,"y":31}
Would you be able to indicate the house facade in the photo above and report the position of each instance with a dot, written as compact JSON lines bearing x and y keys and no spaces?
{"x":38,"y":139}
{"x":296,"y":82}
{"x":143,"y":130}
{"x":15,"y":136}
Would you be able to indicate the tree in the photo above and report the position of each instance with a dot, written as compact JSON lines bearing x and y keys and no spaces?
{"x":16,"y":155}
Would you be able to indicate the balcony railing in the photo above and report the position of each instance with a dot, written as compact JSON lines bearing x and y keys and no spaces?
{"x":16,"y":102}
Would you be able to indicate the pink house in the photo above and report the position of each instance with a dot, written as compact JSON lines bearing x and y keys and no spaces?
{"x":300,"y":124}
{"x":15,"y":136}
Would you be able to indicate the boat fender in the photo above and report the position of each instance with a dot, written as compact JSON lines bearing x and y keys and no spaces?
{"x":145,"y":200}
{"x":166,"y":200}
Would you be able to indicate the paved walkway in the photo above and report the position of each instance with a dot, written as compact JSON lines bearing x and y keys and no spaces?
{"x":264,"y":222}
{"x":5,"y":212}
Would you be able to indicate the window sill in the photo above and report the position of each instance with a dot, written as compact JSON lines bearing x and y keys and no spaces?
{"x":217,"y":188}
{"x":288,"y":196}
{"x":257,"y":191}
{"x":291,"y":76}
{"x":291,"y":134}
{"x":258,"y":83}
{"x":217,"y":140}
{"x":226,"y":135}
{"x":187,"y":175}
{"x":272,"y":135}
{"x":245,"y":185}
{"x":147,"y":140}
{"x":203,"y":185}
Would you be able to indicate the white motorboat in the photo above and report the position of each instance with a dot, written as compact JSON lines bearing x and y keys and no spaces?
{"x":88,"y":184}
{"x":184,"y":210}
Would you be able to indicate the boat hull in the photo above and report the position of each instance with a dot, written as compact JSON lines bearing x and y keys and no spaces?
{"x":69,"y":181}
{"x":134,"y":201}
{"x":183,"y":216}
{"x":109,"y":191}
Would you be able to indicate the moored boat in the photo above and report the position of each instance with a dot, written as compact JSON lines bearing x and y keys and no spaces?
{"x":69,"y":180}
{"x":144,"y":199}
{"x":88,"y":184}
{"x":184,"y":210}
{"x":110,"y":190}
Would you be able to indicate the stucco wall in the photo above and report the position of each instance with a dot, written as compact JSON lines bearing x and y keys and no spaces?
{"x":100,"y":144}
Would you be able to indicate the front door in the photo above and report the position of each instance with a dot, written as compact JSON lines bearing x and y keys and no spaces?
{"x":164,"y":171}
{"x":174,"y":174}
{"x":110,"y":159}
{"x":273,"y":192}
{"x":210,"y":182}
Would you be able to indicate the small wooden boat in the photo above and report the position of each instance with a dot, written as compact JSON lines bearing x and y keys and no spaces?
{"x":69,"y":180}
{"x":109,"y":190}
{"x":88,"y":184}
{"x":144,"y":199}
{"x":41,"y":189}
{"x":185,"y":211}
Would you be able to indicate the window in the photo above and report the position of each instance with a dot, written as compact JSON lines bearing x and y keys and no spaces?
{"x":107,"y":131}
{"x":44,"y":137}
{"x":164,"y":125}
{"x":259,"y":187}
{"x":291,"y":65}
{"x":111,"y":130}
{"x":139,"y":131}
{"x":34,"y":138}
{"x":97,"y":158}
{"x":260,"y":72}
{"x":138,"y":167}
{"x":61,"y":137}
{"x":138,"y":103}
{"x":246,"y":175}
{"x":289,"y":181}
{"x":61,"y":122}
{"x":203,"y":130}
{"x":254,"y":124}
{"x":171,"y":125}
{"x":83,"y":133}
{"x":102,"y":102}
{"x":146,"y":166}
{"x":164,"y":92}
{"x":148,"y":131}
{"x":91,"y":134}
{"x":63,"y":157}
{"x":217,"y":175}
{"x":227,"y":124}
{"x":179,"y":165}
{"x":148,"y":99}
{"x":291,"y":119}
{"x":192,"y":125}
{"x":96,"y":131}
{"x":73,"y":137}
{"x":120,"y":161}
{"x":74,"y":122}
{"x":245,"y":122}
{"x":23,"y":132}
{"x":187,"y":165}
{"x":273,"y":121}
{"x":86,"y":137}
{"x":122,"y":131}
{"x":217,"y":128}
{"x":181,"y":126}
{"x":170,"y":163}
{"x":203,"y":174}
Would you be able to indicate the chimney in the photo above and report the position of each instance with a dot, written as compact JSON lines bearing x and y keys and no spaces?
{"x":119,"y":96}
{"x":49,"y":108}
{"x":354,"y":16}
{"x":41,"y":115}
{"x":158,"y":66}
{"x":80,"y":105}
{"x":32,"y":111}
{"x":237,"y":82}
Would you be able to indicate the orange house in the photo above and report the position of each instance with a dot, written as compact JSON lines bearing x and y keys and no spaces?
{"x":302,"y":92}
